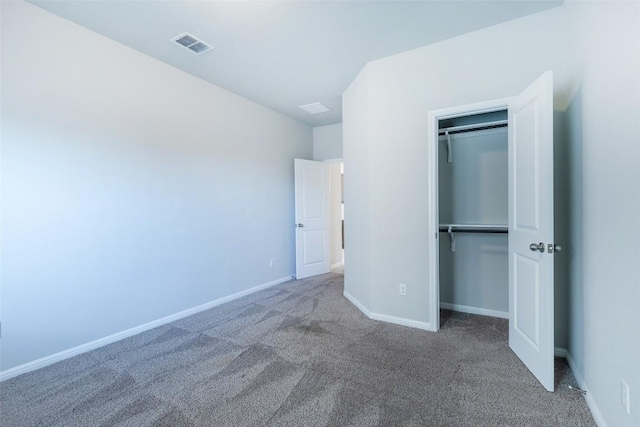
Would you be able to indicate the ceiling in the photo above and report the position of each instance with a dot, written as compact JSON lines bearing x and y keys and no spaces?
{"x":283,"y":54}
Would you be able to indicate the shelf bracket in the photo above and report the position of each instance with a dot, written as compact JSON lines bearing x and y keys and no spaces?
{"x":453,"y":239}
{"x":449,"y":152}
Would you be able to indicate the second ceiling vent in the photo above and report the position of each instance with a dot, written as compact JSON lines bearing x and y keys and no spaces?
{"x":193,"y":43}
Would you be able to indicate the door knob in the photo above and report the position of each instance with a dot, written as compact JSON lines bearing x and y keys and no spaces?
{"x":300,"y":225}
{"x":537,"y":247}
{"x":553,"y":248}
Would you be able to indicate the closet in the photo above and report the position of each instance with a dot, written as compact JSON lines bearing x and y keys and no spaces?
{"x":473,"y":213}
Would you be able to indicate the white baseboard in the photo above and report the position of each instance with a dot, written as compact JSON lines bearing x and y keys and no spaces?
{"x":357,"y":303}
{"x":560,"y":352}
{"x":386,"y":318}
{"x":402,"y":321}
{"x":65,"y":354}
{"x":337,"y":264}
{"x":588,"y":397}
{"x":474,"y":310}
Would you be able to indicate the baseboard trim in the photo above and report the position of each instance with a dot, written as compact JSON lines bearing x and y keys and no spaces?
{"x":357,"y":303}
{"x":386,"y":318}
{"x":474,"y":310}
{"x":426,"y":326}
{"x":337,"y":264}
{"x":560,"y":352}
{"x":83,"y":348}
{"x":588,"y":397}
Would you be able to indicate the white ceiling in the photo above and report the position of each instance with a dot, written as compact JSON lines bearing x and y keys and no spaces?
{"x":283,"y":54}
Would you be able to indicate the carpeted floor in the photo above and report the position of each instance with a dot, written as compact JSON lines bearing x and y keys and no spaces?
{"x":297,"y":354}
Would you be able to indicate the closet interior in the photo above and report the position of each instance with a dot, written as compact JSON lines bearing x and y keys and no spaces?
{"x":473,"y":213}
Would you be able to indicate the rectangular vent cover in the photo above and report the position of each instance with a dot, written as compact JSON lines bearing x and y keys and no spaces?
{"x":315,"y":108}
{"x":193,"y":43}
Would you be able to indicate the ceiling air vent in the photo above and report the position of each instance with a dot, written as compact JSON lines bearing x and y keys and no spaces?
{"x":191,"y":42}
{"x":315,"y":108}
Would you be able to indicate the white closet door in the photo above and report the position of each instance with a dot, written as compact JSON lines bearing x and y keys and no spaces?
{"x":531,"y":228}
{"x":312,"y":186}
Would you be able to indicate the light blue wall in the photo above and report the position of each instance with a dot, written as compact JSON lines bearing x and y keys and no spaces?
{"x":393,"y":176}
{"x":594,"y":50}
{"x":327,"y":142}
{"x":574,"y":249}
{"x":327,"y":145}
{"x":562,"y":223}
{"x":603,"y":130}
{"x":473,"y":189}
{"x":357,"y":231}
{"x":130,"y":190}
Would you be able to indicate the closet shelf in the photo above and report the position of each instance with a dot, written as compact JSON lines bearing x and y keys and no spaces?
{"x":474,"y":228}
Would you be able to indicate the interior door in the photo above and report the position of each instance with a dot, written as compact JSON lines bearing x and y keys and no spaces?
{"x":312,"y":186}
{"x":531,"y":228}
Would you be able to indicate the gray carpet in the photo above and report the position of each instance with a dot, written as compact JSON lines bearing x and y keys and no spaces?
{"x":297,"y":354}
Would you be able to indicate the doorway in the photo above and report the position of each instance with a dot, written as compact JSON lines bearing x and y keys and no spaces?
{"x":336,"y":228}
{"x":473,"y":213}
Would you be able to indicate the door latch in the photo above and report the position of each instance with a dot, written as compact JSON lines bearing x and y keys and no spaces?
{"x":553,"y":248}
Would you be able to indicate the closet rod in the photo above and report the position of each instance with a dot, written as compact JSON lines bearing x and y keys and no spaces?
{"x":466,"y":128}
{"x":474,"y":228}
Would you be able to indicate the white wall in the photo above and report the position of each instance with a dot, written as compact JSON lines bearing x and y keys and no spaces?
{"x":130,"y":190}
{"x":327,"y":142}
{"x":357,"y":186}
{"x":594,"y":52}
{"x":385,"y":146}
{"x":603,"y":125}
{"x":327,"y":145}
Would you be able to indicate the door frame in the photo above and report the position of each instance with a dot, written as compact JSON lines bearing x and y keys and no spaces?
{"x":432,"y":162}
{"x":334,"y":161}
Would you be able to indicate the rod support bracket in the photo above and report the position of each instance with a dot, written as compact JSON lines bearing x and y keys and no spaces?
{"x":453,"y":239}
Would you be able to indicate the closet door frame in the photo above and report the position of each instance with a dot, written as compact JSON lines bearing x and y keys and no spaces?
{"x":434,"y":254}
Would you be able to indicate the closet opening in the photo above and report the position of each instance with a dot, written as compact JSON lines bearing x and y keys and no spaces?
{"x":473,"y":213}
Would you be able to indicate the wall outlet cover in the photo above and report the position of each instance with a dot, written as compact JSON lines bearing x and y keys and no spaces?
{"x":624,"y":396}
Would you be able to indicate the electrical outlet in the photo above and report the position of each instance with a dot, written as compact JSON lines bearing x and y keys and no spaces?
{"x":271,"y":263}
{"x":403,"y":289}
{"x":624,"y":396}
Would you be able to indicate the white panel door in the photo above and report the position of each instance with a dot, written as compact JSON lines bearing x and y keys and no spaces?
{"x":531,"y":228}
{"x":312,"y":183}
